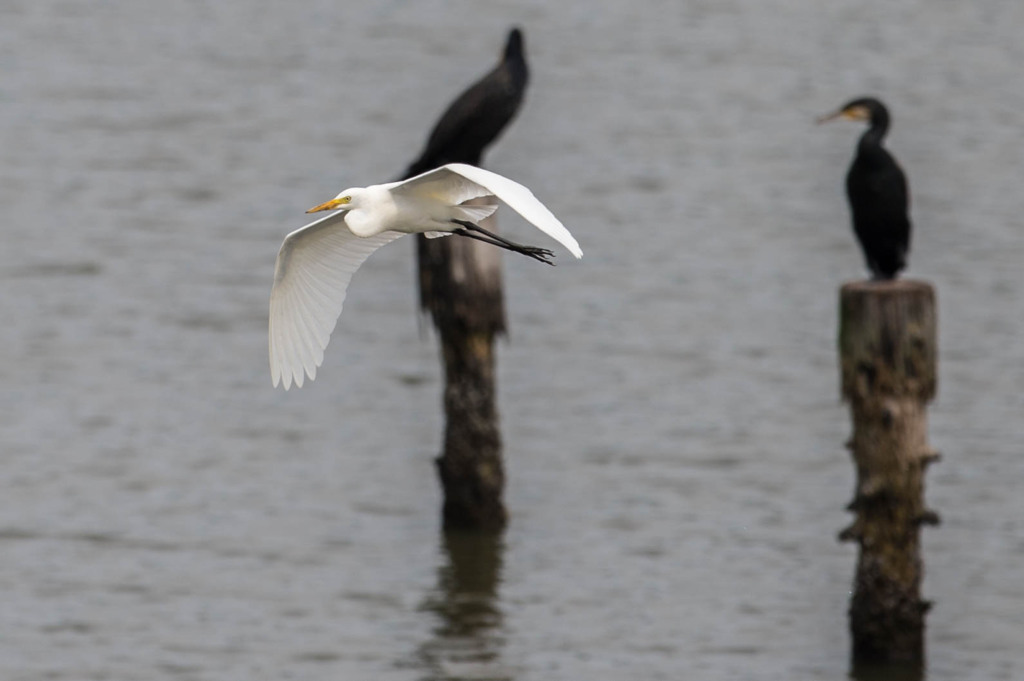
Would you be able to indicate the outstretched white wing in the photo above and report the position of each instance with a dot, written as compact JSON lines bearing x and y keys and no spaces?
{"x":440,"y":184}
{"x":314,"y":267}
{"x":458,"y":182}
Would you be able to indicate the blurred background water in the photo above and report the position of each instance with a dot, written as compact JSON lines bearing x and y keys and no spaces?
{"x":673,"y":430}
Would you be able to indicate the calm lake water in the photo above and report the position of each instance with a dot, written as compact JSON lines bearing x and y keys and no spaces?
{"x":673,"y":430}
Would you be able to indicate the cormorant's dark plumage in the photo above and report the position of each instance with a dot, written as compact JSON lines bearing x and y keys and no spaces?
{"x":877,"y":190}
{"x":478,"y":116}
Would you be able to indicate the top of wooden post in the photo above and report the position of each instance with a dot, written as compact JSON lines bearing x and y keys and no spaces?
{"x":887,"y":339}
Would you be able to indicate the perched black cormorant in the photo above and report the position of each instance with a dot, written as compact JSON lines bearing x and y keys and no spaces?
{"x":478,"y":116}
{"x":468,"y":126}
{"x":877,"y":190}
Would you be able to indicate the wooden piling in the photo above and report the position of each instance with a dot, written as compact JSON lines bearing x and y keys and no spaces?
{"x":887,"y":348}
{"x":460,"y":286}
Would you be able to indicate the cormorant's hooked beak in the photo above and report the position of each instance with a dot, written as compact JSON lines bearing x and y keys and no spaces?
{"x":828,"y":117}
{"x":330,"y":205}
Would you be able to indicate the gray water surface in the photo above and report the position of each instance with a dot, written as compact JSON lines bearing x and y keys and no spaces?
{"x":673,"y":431}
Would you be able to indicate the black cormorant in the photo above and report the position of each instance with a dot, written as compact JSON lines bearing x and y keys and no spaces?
{"x":877,"y":190}
{"x":478,"y":116}
{"x":468,"y":126}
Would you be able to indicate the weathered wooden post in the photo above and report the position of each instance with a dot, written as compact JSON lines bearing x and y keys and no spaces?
{"x":460,"y":286}
{"x":887,"y":348}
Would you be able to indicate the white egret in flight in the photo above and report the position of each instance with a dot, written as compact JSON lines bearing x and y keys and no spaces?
{"x":316,"y":262}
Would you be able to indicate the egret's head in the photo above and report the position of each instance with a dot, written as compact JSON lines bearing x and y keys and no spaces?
{"x":344,"y":200}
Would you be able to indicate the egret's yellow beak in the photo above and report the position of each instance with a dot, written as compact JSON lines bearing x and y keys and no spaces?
{"x":330,"y":205}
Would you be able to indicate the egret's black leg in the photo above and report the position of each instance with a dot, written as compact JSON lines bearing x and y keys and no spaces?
{"x":541,"y":254}
{"x":477,"y":232}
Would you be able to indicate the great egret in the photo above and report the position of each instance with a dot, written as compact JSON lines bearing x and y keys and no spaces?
{"x":877,"y":191}
{"x":316,"y":262}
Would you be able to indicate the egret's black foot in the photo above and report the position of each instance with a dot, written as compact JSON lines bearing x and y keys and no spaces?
{"x":540,"y":254}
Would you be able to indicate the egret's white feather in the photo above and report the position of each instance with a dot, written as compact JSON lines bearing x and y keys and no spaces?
{"x":463,"y":182}
{"x":314,"y":268}
{"x":440,"y":184}
{"x":475,"y":213}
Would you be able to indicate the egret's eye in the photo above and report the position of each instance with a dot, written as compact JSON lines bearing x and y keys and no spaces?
{"x":344,"y":199}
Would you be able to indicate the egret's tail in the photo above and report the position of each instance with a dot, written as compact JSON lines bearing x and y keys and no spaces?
{"x":473,"y":213}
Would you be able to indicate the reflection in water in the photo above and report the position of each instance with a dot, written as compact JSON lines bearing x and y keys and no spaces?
{"x":861,"y":671}
{"x":467,"y":639}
